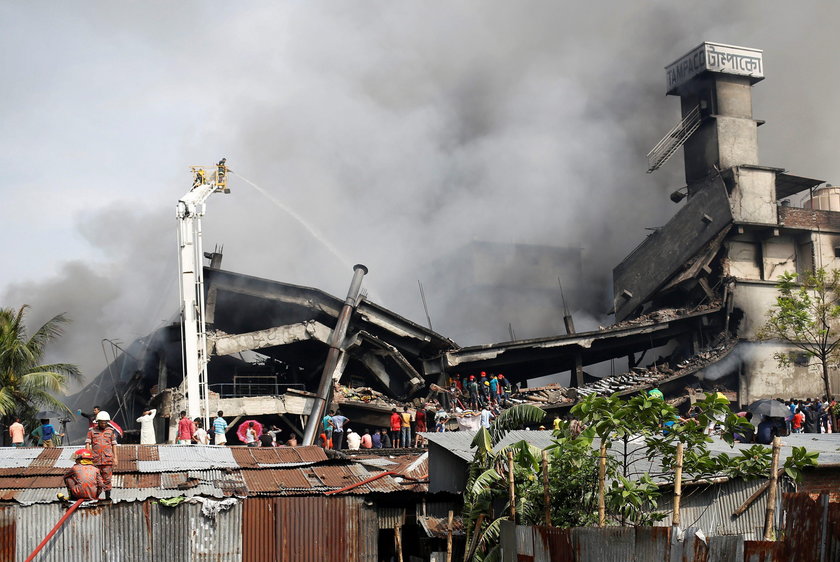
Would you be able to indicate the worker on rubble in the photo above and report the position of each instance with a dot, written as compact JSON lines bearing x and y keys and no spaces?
{"x":328,"y":428}
{"x":83,"y":480}
{"x":405,"y":428}
{"x":395,"y":428}
{"x":494,"y":389}
{"x":102,"y":443}
{"x":338,"y":422}
{"x":472,"y":386}
{"x":504,"y":388}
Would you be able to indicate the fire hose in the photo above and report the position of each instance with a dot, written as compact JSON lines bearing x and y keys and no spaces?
{"x":58,"y":525}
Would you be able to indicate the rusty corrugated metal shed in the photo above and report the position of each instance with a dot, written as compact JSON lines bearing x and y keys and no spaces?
{"x":258,"y":524}
{"x":264,"y":457}
{"x":8,"y":526}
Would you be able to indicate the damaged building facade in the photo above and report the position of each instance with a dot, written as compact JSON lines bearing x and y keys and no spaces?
{"x":739,"y":230}
{"x":688,"y":301}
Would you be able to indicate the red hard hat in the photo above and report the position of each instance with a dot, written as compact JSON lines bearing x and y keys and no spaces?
{"x":83,"y":454}
{"x":483,"y":374}
{"x":472,"y":377}
{"x":501,"y":376}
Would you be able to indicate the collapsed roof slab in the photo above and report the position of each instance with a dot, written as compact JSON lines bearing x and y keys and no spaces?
{"x":226,"y":344}
{"x":525,"y":359}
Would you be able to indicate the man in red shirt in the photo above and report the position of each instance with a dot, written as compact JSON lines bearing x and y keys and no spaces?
{"x":798,"y":420}
{"x":395,"y":428}
{"x":186,"y":429}
{"x":102,"y":443}
{"x":83,"y":480}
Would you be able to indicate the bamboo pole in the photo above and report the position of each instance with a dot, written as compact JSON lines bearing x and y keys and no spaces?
{"x":602,"y":478}
{"x":511,"y":488}
{"x":449,"y":538}
{"x":770,"y":513}
{"x":678,"y":486}
{"x":546,"y":494}
{"x":398,"y":541}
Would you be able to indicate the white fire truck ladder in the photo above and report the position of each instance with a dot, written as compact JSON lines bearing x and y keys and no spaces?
{"x":206,"y":181}
{"x":674,"y":139}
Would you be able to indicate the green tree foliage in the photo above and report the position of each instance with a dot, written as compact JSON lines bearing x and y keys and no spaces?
{"x":486,"y":498}
{"x":806,"y":316}
{"x":26,"y":385}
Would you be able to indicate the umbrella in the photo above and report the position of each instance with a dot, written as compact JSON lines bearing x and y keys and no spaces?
{"x":47,"y":414}
{"x":769,"y":408}
{"x":243,"y":427}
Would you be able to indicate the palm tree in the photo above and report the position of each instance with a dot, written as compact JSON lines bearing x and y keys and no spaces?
{"x":26,"y":385}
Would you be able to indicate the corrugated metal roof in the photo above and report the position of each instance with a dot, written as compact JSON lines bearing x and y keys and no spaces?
{"x":18,"y":457}
{"x":189,"y":457}
{"x":255,"y":457}
{"x":456,"y":442}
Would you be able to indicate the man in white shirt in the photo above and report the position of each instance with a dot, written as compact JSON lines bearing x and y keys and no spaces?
{"x":486,"y":416}
{"x":354,"y":440}
{"x":147,"y":428}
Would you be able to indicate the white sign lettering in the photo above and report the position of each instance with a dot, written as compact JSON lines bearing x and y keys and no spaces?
{"x":715,"y":57}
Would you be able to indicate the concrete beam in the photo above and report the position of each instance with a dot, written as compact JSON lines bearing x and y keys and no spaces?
{"x":261,"y":339}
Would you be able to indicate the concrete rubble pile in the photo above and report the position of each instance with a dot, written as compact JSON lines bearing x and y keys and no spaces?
{"x":638,"y":378}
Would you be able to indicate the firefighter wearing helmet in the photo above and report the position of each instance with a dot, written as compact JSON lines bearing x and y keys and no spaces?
{"x":83,"y":480}
{"x":102,"y":443}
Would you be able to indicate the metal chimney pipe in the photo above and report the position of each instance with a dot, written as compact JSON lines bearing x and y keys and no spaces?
{"x":336,"y":338}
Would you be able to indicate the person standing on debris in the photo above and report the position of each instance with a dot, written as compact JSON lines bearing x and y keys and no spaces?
{"x":386,"y":440}
{"x":292,"y":442}
{"x":102,"y":443}
{"x":200,"y":436}
{"x":395,"y":428}
{"x":504,"y":388}
{"x":419,"y":424}
{"x":147,"y":428}
{"x":486,"y":416}
{"x":44,"y":434}
{"x":339,"y":422}
{"x":219,"y":428}
{"x":367,"y":442}
{"x":16,"y":432}
{"x":441,"y":418}
{"x":405,"y":428}
{"x":84,"y":480}
{"x":494,"y":388}
{"x":555,"y":423}
{"x":328,"y":429}
{"x":376,"y":440}
{"x":472,"y":387}
{"x":186,"y":429}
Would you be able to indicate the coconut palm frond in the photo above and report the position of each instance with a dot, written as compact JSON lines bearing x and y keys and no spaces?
{"x":516,"y":417}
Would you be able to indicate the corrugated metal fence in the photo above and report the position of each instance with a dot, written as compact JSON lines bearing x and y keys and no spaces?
{"x":811,"y":532}
{"x":317,"y":529}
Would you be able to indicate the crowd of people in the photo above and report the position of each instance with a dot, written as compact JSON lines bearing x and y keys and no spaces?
{"x":475,"y":392}
{"x":403,"y":431}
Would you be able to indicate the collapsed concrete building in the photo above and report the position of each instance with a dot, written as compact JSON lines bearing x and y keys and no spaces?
{"x":693,"y":294}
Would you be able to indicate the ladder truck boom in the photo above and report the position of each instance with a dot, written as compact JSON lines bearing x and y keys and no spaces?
{"x":206,"y":181}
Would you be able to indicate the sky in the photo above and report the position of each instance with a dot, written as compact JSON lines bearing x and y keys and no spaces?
{"x":395,"y":131}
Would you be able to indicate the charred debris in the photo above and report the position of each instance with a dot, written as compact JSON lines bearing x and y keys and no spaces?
{"x":691,"y":295}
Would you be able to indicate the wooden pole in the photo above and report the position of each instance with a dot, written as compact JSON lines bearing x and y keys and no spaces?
{"x":471,"y":546}
{"x":770,"y":513}
{"x":449,"y":538}
{"x":511,"y":488}
{"x":546,"y":491}
{"x":602,"y":479}
{"x":398,"y":541}
{"x":678,"y":485}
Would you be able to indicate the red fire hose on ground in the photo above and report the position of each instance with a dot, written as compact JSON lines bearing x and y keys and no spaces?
{"x":54,"y":529}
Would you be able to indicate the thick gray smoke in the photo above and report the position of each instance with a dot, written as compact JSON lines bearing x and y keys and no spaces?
{"x":400,"y":131}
